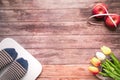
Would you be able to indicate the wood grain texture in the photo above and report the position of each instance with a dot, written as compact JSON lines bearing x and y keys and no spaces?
{"x":53,"y":28}
{"x":67,"y":41}
{"x":43,"y":15}
{"x":44,"y":4}
{"x":66,"y":72}
{"x":57,"y":34}
{"x":66,"y":56}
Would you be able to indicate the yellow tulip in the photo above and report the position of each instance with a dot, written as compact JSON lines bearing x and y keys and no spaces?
{"x":95,"y":61}
{"x":93,"y":70}
{"x":106,"y":50}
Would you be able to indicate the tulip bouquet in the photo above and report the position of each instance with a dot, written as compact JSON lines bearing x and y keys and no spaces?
{"x":106,"y":64}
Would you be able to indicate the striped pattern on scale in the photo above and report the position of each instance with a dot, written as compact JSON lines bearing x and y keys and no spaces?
{"x":14,"y":72}
{"x":5,"y":59}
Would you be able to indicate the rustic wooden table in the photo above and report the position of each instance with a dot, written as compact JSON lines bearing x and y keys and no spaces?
{"x":56,"y":33}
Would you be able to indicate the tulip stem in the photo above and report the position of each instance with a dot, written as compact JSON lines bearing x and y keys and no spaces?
{"x":115,"y":60}
{"x":104,"y":74}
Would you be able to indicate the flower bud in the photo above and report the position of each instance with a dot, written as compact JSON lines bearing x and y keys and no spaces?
{"x":106,"y":50}
{"x":93,"y":70}
{"x":100,"y":56}
{"x":95,"y":61}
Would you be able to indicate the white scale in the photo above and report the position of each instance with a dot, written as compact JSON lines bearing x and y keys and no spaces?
{"x":34,"y":68}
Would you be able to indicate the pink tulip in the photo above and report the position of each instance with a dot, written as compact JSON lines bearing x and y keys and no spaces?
{"x":95,"y":61}
{"x":93,"y":70}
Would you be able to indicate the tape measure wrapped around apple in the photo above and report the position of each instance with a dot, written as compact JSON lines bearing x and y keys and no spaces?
{"x":100,"y":11}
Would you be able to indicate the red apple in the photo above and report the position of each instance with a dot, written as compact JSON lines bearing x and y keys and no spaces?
{"x":109,"y":22}
{"x":99,"y":8}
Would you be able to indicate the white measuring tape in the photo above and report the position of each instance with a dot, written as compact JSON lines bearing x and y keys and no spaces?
{"x":107,"y":14}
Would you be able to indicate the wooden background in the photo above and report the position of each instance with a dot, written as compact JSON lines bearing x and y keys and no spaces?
{"x":56,"y":33}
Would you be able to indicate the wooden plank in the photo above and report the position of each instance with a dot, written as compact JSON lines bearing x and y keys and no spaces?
{"x":52,"y":28}
{"x":60,"y":15}
{"x":67,"y":41}
{"x":59,"y":78}
{"x":66,"y":56}
{"x":45,"y":4}
{"x":66,"y":72}
{"x":54,"y":4}
{"x":63,"y":56}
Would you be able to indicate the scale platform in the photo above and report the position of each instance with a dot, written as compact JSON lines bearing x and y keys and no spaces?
{"x":34,"y":68}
